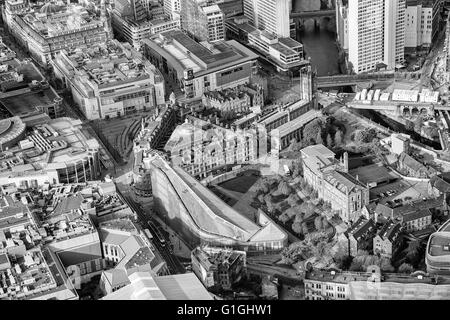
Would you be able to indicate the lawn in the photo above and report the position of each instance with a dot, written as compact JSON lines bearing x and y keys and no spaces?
{"x":241,"y":183}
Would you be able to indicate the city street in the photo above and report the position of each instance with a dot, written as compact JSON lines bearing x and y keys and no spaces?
{"x":162,"y":245}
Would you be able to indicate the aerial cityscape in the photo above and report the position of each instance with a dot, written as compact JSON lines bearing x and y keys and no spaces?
{"x":225,"y":150}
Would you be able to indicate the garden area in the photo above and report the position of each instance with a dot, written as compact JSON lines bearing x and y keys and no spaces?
{"x":326,"y":130}
{"x":293,"y":204}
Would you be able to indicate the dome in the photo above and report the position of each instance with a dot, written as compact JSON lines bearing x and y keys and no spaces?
{"x":50,"y":8}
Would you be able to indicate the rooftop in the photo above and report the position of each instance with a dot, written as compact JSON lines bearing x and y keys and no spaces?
{"x":211,"y":214}
{"x":145,"y":286}
{"x":53,"y":19}
{"x":185,"y":52}
{"x":53,"y":145}
{"x":110,"y":63}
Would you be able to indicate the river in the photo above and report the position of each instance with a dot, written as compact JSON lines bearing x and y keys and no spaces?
{"x":320,"y":45}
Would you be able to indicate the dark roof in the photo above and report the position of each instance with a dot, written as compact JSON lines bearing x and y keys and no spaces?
{"x":416,"y":215}
{"x":440,"y":184}
{"x":411,"y":163}
{"x":390,"y":230}
{"x":360,"y":227}
{"x":82,"y":254}
{"x":408,"y":209}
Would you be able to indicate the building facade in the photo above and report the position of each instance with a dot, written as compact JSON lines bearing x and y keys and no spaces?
{"x":45,"y":30}
{"x":110,"y":80}
{"x":201,"y":217}
{"x":203,"y":20}
{"x":197,"y":67}
{"x":269,"y":15}
{"x":330,"y":178}
{"x":376,"y":31}
{"x":217,"y":267}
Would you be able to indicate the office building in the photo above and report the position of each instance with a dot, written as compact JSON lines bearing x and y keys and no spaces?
{"x":285,"y":53}
{"x":422,"y":24}
{"x":334,"y":285}
{"x":330,"y":178}
{"x":131,"y":22}
{"x":45,"y":29}
{"x":24,"y":89}
{"x":269,"y":15}
{"x":35,"y":275}
{"x":376,"y":33}
{"x":58,"y":151}
{"x":218,"y":268}
{"x":235,"y":100}
{"x":143,"y":285}
{"x":110,"y":80}
{"x":126,"y":250}
{"x":203,"y":20}
{"x":342,"y":24}
{"x":200,"y":217}
{"x":172,"y":8}
{"x":199,"y":67}
{"x":200,"y":146}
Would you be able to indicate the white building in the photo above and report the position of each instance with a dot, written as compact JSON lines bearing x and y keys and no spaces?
{"x":376,"y":33}
{"x":110,"y":80}
{"x":172,"y":8}
{"x":270,"y":15}
{"x":419,"y":24}
{"x":342,"y":24}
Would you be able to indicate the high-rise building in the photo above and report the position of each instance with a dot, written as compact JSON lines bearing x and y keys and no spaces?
{"x":270,"y":15}
{"x":203,"y":20}
{"x":422,"y":23}
{"x":376,"y":31}
{"x":172,"y":8}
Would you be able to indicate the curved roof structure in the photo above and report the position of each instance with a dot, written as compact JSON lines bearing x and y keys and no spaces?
{"x":437,"y":256}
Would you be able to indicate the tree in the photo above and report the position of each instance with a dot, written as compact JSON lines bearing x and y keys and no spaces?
{"x":268,"y":199}
{"x":338,"y":138}
{"x":386,"y":266}
{"x":270,"y":207}
{"x":356,"y":266}
{"x":284,"y":188}
{"x":418,"y":124}
{"x":308,"y":208}
{"x":299,"y":217}
{"x":413,"y":252}
{"x":305,"y":228}
{"x":310,"y":131}
{"x":297,"y":227}
{"x":284,"y":218}
{"x":329,"y":141}
{"x":325,"y":223}
{"x":261,"y":198}
{"x":409,"y":125}
{"x":293,"y":199}
{"x":406,"y":268}
{"x":319,"y":139}
{"x":318,"y":223}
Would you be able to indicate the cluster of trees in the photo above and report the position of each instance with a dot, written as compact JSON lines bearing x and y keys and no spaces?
{"x":364,"y":135}
{"x":314,"y":245}
{"x":414,"y":253}
{"x":414,"y":126}
{"x":324,"y":131}
{"x":363,"y":260}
